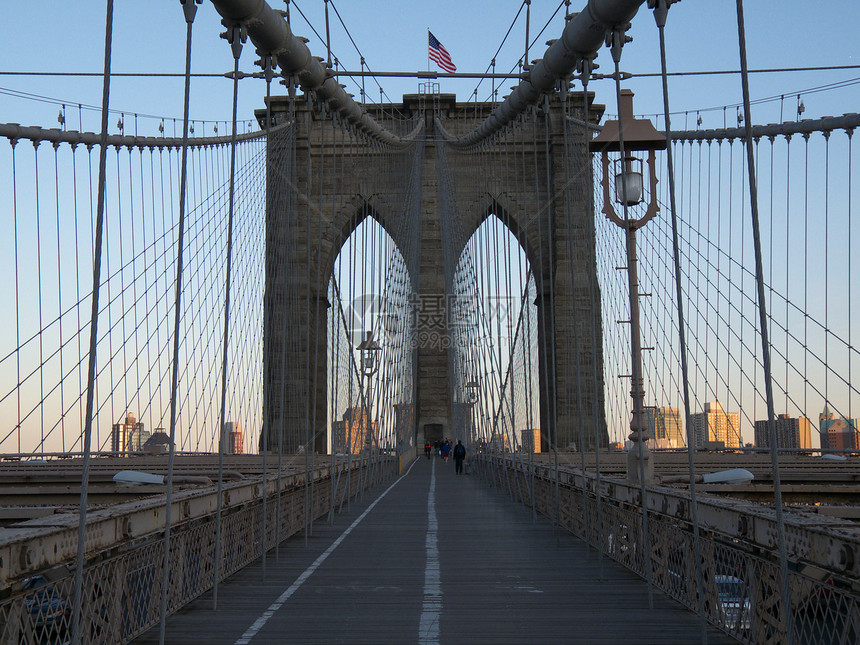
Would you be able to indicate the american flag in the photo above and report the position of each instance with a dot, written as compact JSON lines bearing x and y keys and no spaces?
{"x":439,"y":54}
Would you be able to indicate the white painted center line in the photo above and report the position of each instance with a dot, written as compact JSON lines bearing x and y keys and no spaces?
{"x":428,"y":628}
{"x":275,"y":606}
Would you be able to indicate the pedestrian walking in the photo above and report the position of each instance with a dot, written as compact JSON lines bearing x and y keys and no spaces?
{"x":459,"y":456}
{"x":446,"y":450}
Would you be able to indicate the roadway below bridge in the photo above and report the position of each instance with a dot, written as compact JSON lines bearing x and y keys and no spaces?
{"x":435,"y":558}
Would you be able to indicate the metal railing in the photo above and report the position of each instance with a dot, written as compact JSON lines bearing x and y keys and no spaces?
{"x":122,"y":575}
{"x":739,"y":562}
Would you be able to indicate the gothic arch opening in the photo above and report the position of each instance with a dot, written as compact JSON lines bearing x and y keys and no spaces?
{"x":495,"y":366}
{"x":370,"y":379}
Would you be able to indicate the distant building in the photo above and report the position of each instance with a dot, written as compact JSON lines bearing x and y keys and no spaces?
{"x":844,"y":435}
{"x":649,"y":418}
{"x":138,"y":438}
{"x":127,"y":436}
{"x":354,"y":432}
{"x":234,"y":438}
{"x":667,"y":429}
{"x":716,"y":428}
{"x":158,"y":443}
{"x":790,"y":433}
{"x":530,"y":440}
{"x":499,"y":443}
{"x":838,"y":433}
{"x":825,"y":420}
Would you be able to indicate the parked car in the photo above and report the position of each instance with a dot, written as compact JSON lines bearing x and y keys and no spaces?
{"x":46,"y":612}
{"x":734,"y":602}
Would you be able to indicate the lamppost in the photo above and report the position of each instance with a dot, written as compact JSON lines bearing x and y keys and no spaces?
{"x":369,"y":349}
{"x":625,"y":136}
{"x":473,"y":391}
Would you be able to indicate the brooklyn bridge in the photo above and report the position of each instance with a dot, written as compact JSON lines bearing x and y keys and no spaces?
{"x":235,"y":362}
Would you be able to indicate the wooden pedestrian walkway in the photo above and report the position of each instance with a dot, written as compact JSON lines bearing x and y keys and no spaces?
{"x":469,"y":567}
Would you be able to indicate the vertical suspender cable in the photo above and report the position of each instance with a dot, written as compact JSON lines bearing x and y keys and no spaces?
{"x":189,"y":8}
{"x":41,"y":446}
{"x":788,"y":261}
{"x":569,"y":173}
{"x":351,"y":356}
{"x":327,"y":37}
{"x":785,"y":591}
{"x":334,"y":363}
{"x":586,"y":75}
{"x":308,"y":322}
{"x":77,"y":606}
{"x":267,"y":430}
{"x":318,"y":290}
{"x":660,"y":14}
{"x":550,"y":235}
{"x":60,"y":300}
{"x":850,"y":354}
{"x":13,"y":143}
{"x":268,"y":72}
{"x":288,"y":264}
{"x":236,"y":46}
{"x":528,"y":20}
{"x":543,"y":327}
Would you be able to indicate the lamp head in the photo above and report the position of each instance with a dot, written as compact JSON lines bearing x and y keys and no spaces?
{"x":639,"y":134}
{"x":629,"y":186}
{"x":472,"y":389}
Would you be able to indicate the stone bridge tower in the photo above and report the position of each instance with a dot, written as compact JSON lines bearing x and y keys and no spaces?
{"x":307,"y":227}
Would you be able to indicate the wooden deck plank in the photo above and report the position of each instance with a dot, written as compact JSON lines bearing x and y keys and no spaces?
{"x":504,"y":579}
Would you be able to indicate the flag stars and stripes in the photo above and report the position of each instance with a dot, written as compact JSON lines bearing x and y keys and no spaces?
{"x":439,"y":54}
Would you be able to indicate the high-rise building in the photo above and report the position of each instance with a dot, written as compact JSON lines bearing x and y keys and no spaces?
{"x":530,"y":440}
{"x":649,"y":420}
{"x":716,"y":428}
{"x":825,"y":420}
{"x":844,"y":435}
{"x":351,"y":434}
{"x":790,"y":433}
{"x":128,"y":435}
{"x":838,"y":433}
{"x":234,"y":438}
{"x":138,"y":438}
{"x":668,"y":431}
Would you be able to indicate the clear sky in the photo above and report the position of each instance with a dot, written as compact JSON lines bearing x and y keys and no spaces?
{"x":45,"y":35}
{"x":149,"y":37}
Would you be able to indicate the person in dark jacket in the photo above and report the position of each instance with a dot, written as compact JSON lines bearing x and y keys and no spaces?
{"x":459,"y":456}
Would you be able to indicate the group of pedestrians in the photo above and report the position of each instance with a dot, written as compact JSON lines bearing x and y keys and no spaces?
{"x":444,"y":449}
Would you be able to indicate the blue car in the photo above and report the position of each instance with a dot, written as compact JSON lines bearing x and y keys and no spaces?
{"x":47,"y":614}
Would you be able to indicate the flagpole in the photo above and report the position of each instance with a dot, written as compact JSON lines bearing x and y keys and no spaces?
{"x":428,"y":49}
